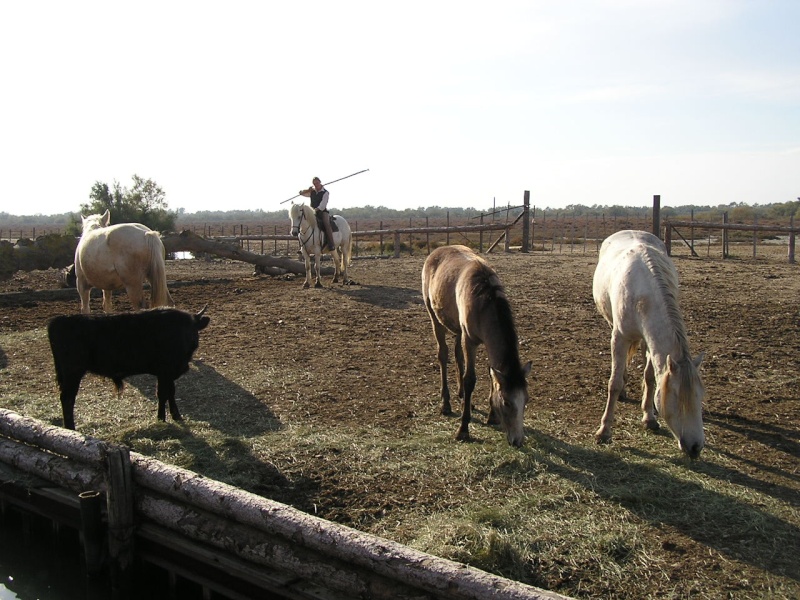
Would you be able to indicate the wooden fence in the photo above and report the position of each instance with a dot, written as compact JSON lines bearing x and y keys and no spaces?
{"x":725,"y":228}
{"x":154,"y":510}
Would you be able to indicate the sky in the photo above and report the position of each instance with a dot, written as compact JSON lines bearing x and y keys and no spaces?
{"x":237,"y":105}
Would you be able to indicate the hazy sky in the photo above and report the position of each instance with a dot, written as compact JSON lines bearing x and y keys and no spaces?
{"x":237,"y":105}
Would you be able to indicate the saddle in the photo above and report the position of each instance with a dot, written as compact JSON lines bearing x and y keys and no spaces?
{"x":321,"y":225}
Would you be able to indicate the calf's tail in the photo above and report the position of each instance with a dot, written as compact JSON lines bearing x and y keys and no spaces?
{"x":159,"y":294}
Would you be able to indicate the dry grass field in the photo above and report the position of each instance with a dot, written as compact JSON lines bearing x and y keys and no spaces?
{"x":327,"y":399}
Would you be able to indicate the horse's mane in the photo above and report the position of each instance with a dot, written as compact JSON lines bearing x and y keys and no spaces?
{"x":486,"y":284}
{"x":666,"y":277}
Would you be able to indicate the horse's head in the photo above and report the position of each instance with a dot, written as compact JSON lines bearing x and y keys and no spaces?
{"x":296,"y":214}
{"x":95,"y":221}
{"x":508,"y":400}
{"x":680,"y":403}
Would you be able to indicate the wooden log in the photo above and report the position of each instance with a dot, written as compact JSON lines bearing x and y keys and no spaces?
{"x":445,"y":578}
{"x":55,"y":439}
{"x":186,"y":241}
{"x":260,"y":548}
{"x":55,"y":469}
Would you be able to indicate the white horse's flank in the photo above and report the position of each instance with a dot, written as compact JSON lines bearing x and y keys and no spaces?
{"x":305,"y":229}
{"x":120,"y":256}
{"x":636,"y":290}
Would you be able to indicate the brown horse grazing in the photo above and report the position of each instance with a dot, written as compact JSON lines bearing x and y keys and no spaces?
{"x":464,"y":296}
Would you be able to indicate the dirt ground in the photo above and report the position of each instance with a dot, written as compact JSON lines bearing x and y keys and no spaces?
{"x":370,"y":354}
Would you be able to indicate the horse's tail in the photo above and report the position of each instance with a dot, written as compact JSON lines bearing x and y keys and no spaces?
{"x":347,"y":245}
{"x":159,"y":293}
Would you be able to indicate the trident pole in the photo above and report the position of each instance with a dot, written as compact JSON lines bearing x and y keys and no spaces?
{"x":330,"y":182}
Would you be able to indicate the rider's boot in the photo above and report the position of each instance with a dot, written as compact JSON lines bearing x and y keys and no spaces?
{"x":329,"y":233}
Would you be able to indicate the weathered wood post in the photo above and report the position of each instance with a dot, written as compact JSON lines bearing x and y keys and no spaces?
{"x":119,"y":501}
{"x":657,"y":215}
{"x":427,"y":233}
{"x":791,"y":239}
{"x":668,"y":238}
{"x":92,"y":531}
{"x":725,"y":235}
{"x":526,"y":221}
{"x":397,"y":244}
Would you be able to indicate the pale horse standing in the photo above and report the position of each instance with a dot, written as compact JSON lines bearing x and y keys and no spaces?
{"x":120,"y":256}
{"x":306,"y":229}
{"x":636,"y":290}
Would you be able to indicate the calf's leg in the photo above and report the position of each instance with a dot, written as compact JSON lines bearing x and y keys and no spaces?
{"x":69,"y":390}
{"x":166,"y":393}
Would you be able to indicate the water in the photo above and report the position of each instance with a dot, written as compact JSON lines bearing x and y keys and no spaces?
{"x":42,"y":563}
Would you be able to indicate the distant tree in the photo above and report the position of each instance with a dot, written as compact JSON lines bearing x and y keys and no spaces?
{"x":143,"y":203}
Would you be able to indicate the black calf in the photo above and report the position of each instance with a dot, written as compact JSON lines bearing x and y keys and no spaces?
{"x":158,"y":342}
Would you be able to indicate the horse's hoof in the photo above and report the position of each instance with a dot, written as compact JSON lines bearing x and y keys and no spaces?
{"x":463,"y":436}
{"x":318,"y":285}
{"x":306,"y":286}
{"x":651,"y":425}
{"x":603,"y":437}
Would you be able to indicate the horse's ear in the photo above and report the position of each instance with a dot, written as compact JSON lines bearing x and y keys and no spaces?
{"x":497,"y":377}
{"x":106,"y":218}
{"x":672,"y":366}
{"x":698,"y":360}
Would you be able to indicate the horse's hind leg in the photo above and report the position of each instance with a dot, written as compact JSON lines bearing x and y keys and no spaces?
{"x":336,"y":270}
{"x":649,"y":419}
{"x":85,"y":294}
{"x":108,"y":301}
{"x":616,"y":382}
{"x":440,"y":334}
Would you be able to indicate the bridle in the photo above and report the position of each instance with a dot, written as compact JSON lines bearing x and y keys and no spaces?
{"x":297,"y":227}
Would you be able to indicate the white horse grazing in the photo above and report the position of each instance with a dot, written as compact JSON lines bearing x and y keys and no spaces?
{"x":306,"y":229}
{"x":636,"y":290}
{"x":120,"y":256}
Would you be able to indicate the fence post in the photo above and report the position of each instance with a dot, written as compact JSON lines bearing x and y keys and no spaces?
{"x":657,"y":215}
{"x":427,"y":234}
{"x":725,"y":235}
{"x":526,"y":222}
{"x":791,"y":239}
{"x":119,"y":502}
{"x":668,"y":238}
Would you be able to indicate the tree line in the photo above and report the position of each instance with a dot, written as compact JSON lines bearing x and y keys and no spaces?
{"x":145,"y":202}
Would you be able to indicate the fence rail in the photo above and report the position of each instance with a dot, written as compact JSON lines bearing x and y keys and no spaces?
{"x":153,"y":508}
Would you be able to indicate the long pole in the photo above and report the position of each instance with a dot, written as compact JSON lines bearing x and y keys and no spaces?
{"x":330,"y":182}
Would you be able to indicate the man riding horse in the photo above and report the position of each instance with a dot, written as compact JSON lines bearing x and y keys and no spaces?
{"x":319,"y":202}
